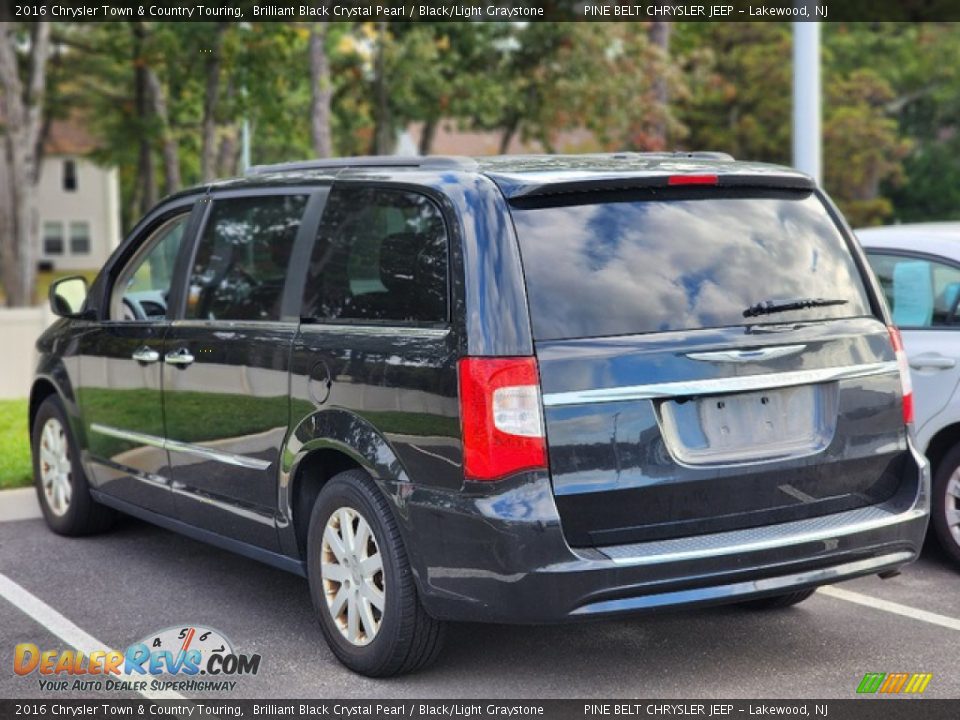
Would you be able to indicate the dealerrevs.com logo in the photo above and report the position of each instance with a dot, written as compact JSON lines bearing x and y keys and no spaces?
{"x":188,"y":658}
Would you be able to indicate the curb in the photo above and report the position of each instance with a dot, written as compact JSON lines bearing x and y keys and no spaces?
{"x":19,"y":504}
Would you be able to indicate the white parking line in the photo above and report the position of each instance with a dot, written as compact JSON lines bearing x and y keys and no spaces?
{"x":891,"y":607}
{"x":30,"y":604}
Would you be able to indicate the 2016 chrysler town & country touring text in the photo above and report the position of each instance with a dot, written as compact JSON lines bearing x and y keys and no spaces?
{"x":517,"y":389}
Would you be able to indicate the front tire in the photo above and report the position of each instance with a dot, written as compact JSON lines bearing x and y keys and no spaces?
{"x":945,"y":506}
{"x":362,"y":585}
{"x":62,"y":487}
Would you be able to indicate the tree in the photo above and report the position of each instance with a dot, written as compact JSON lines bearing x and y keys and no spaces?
{"x":383,"y":122}
{"x":211,"y":99}
{"x":444,"y":72}
{"x":171,"y":147}
{"x":23,"y":102}
{"x":739,"y":88}
{"x":321,"y":90}
{"x":857,"y":129}
{"x":615,"y":80}
{"x":920,"y":63}
{"x":146,"y":170}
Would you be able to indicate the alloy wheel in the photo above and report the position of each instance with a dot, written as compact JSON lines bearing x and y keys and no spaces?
{"x":56,"y":471}
{"x":951,"y":505}
{"x":352,"y":571}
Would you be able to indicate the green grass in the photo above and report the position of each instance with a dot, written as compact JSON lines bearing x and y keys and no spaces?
{"x":15,"y":463}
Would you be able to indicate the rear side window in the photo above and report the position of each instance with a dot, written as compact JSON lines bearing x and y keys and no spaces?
{"x":922,"y":293}
{"x":241,"y":260}
{"x":380,"y":256}
{"x":625,"y":264}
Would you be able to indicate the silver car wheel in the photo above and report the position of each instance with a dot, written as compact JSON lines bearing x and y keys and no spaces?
{"x":56,"y":471}
{"x":951,"y":505}
{"x":352,"y":571}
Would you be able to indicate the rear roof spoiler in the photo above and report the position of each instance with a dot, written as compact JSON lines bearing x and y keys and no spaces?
{"x":526,"y":185}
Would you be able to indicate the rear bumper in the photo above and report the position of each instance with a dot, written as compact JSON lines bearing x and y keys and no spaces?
{"x":503,"y":557}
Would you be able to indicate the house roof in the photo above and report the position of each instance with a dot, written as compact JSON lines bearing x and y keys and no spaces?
{"x":452,"y":140}
{"x":66,"y":136}
{"x":69,"y":137}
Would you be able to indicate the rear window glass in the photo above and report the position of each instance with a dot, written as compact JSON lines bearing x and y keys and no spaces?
{"x":681,"y":261}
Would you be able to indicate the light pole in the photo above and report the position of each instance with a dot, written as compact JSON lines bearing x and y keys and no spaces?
{"x":807,"y":151}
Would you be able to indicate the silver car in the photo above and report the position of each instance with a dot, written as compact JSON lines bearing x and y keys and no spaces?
{"x":919,"y":269}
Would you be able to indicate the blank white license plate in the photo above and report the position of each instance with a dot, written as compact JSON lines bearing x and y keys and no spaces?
{"x":747,"y":427}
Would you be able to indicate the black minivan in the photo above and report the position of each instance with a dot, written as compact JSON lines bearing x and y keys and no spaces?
{"x":510,"y":389}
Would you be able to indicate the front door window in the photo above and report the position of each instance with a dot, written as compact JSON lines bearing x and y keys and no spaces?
{"x":143,"y":287}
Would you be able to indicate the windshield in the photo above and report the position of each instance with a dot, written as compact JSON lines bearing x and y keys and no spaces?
{"x":681,"y":261}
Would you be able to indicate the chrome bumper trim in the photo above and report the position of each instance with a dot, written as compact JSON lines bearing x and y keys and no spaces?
{"x":715,"y":593}
{"x":766,"y":537}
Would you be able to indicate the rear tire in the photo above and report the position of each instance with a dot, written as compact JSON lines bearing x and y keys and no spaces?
{"x":945,"y":505}
{"x":777,"y":602}
{"x":356,"y":561}
{"x":61,"y":484}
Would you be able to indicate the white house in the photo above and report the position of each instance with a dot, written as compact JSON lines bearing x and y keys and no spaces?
{"x":79,"y":225}
{"x":78,"y":201}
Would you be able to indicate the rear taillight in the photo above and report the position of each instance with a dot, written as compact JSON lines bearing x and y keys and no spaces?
{"x":903,"y":365}
{"x":501,"y":416}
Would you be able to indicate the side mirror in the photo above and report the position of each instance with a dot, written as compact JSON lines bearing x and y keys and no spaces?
{"x":67,"y":296}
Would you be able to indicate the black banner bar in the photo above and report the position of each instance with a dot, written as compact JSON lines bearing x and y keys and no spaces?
{"x":481,"y":10}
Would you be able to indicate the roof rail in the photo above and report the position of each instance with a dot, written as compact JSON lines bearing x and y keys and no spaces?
{"x":429,"y":162}
{"x":704,"y":155}
{"x":692,"y":154}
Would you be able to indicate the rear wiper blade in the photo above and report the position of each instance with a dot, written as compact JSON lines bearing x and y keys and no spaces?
{"x":769,"y":307}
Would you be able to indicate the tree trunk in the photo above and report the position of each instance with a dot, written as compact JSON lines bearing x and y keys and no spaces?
{"x":383,"y":131}
{"x":23,"y":107}
{"x":228,"y":152}
{"x":660,"y":39}
{"x":321,"y":91}
{"x":508,"y":132}
{"x":170,"y":146}
{"x":211,"y":99}
{"x":427,"y":135}
{"x":146,"y":172}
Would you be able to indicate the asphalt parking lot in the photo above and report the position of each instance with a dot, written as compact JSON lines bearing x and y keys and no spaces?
{"x":119,"y":587}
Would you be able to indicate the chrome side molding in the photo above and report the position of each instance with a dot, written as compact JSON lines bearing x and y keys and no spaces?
{"x":177,"y":446}
{"x":718,"y":386}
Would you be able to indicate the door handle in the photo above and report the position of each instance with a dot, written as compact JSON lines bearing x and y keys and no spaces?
{"x":932,"y":361}
{"x":145,"y":355}
{"x":181,"y":357}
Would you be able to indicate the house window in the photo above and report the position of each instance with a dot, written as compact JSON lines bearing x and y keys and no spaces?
{"x":79,"y":238}
{"x":70,"y":175}
{"x":53,"y":238}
